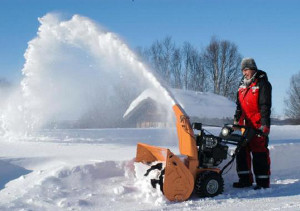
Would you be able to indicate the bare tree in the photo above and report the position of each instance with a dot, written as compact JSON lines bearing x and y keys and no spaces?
{"x":222,"y":61}
{"x":292,"y":109}
{"x":202,"y":83}
{"x":160,"y":55}
{"x":216,"y":68}
{"x":186,"y":56}
{"x":168,"y":51}
{"x":165,"y":59}
{"x":176,"y":67}
{"x":197,"y":79}
{"x":155,"y":56}
{"x":193,"y":70}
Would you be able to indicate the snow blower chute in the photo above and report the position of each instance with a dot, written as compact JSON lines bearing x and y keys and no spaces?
{"x":203,"y":153}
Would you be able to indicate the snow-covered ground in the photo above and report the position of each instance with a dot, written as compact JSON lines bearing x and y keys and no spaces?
{"x":94,"y":170}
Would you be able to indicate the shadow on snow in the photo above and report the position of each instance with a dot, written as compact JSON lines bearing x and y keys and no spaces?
{"x":9,"y":172}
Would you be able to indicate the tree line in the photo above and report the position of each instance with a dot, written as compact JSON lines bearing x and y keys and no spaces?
{"x":292,"y":101}
{"x":216,"y":68}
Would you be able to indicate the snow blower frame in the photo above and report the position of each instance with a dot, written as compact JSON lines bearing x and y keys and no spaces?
{"x":203,"y":152}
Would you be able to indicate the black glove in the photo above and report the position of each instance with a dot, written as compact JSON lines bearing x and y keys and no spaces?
{"x":265,"y":130}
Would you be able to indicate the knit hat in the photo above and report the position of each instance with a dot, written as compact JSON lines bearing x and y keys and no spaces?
{"x":248,"y":63}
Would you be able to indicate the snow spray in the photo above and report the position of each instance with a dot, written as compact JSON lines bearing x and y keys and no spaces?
{"x":74,"y":69}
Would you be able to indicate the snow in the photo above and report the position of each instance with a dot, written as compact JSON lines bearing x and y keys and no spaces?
{"x":197,"y":104}
{"x":204,"y":104}
{"x":73,"y":70}
{"x":148,"y":93}
{"x":94,"y":170}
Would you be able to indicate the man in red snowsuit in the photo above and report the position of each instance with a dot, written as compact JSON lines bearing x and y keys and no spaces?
{"x":254,"y":110}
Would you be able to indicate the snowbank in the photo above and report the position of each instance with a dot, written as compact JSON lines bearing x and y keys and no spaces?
{"x":204,"y":104}
{"x":196,"y":104}
{"x":67,"y":169}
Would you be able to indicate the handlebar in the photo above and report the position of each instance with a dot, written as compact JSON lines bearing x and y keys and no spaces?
{"x":247,"y":134}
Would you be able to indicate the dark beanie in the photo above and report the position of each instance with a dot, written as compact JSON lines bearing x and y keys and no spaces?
{"x":248,"y":63}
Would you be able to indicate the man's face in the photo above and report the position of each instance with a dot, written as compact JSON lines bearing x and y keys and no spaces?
{"x":248,"y":73}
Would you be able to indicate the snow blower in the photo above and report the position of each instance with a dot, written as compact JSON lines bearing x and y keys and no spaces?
{"x":203,"y":153}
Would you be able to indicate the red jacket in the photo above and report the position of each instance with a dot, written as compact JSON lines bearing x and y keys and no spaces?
{"x":254,"y":102}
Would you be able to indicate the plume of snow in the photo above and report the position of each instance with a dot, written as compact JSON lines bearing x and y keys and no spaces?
{"x":72,"y":68}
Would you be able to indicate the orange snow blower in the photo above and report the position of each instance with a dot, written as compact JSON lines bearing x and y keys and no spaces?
{"x":198,"y":171}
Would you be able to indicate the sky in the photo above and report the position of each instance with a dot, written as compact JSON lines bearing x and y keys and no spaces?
{"x":267,"y":30}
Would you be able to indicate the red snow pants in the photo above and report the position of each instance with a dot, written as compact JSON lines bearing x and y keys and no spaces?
{"x":258,"y":148}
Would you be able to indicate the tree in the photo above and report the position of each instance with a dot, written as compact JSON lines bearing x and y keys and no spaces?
{"x":160,"y":55}
{"x":176,"y":67}
{"x":222,"y":61}
{"x":193,"y":71}
{"x":188,"y":55}
{"x":165,"y":59}
{"x":197,"y":79}
{"x":292,"y":102}
{"x":216,"y":69}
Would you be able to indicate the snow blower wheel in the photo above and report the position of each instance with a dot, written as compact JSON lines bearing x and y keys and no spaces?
{"x":209,"y":184}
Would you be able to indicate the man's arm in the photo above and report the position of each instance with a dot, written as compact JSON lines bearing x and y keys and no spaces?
{"x":238,"y":111}
{"x":265,"y":102}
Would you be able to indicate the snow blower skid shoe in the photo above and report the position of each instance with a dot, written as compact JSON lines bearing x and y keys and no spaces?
{"x":175,"y":180}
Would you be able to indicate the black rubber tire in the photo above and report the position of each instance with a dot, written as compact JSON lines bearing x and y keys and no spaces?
{"x":209,"y":184}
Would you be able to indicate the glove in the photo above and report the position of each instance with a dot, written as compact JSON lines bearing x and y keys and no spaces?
{"x":265,"y":130}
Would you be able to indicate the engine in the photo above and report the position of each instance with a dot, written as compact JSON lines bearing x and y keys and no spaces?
{"x":211,"y":150}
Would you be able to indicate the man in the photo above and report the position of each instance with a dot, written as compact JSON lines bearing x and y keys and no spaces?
{"x":254,"y":110}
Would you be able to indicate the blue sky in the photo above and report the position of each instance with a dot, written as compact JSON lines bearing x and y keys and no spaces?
{"x":267,"y":30}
